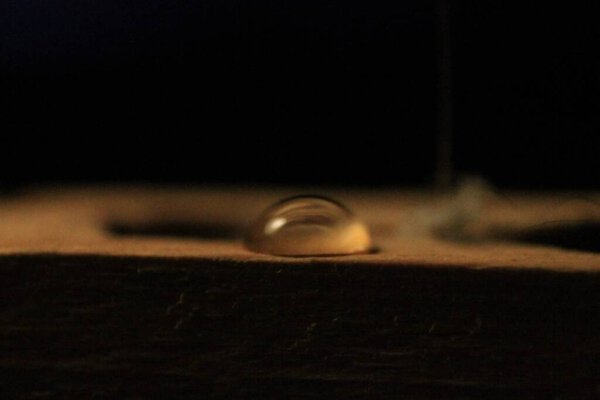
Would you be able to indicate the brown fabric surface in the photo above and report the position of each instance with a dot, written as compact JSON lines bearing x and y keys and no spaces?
{"x":87,"y":221}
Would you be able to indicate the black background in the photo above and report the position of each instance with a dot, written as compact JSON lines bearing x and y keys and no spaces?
{"x":295,"y":92}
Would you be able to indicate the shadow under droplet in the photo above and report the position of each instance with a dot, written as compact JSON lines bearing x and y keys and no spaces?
{"x":177,"y":229}
{"x":584,"y":236}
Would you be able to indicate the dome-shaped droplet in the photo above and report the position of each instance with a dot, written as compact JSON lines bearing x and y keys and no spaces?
{"x":308,"y":226}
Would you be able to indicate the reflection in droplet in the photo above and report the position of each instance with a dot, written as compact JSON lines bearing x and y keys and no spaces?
{"x":308,"y":226}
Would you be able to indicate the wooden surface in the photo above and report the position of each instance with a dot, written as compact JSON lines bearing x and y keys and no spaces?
{"x":207,"y":225}
{"x":115,"y":294}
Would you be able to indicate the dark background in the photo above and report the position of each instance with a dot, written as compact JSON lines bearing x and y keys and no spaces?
{"x":295,"y":92}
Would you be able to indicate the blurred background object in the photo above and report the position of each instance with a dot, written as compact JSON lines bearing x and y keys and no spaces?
{"x":296,"y":92}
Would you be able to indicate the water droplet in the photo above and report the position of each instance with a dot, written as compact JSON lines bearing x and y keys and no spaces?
{"x":308,"y":226}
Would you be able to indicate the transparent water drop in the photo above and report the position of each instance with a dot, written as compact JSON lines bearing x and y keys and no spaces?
{"x":308,"y":226}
